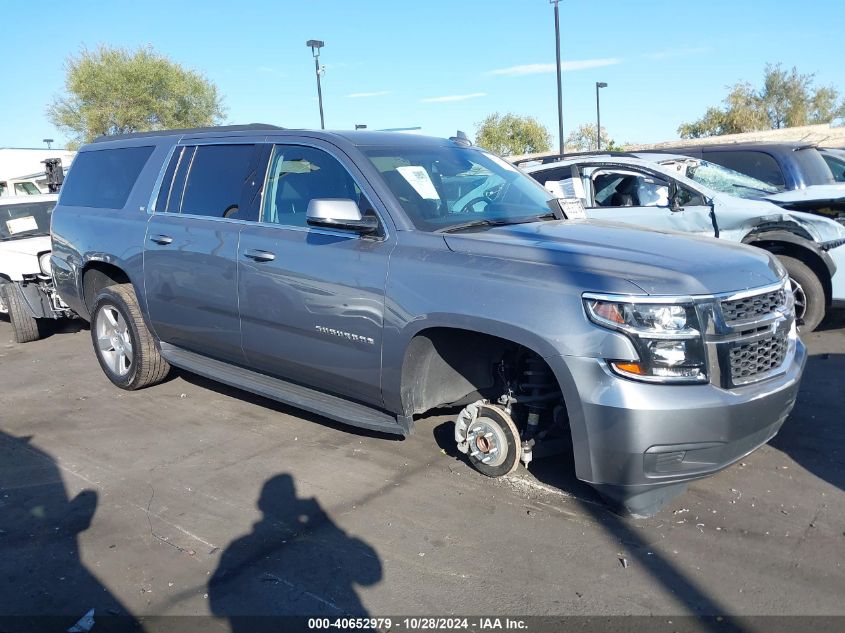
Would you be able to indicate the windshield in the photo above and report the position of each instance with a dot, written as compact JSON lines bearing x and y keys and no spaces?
{"x":728,"y":181}
{"x":444,"y":187}
{"x":25,"y":220}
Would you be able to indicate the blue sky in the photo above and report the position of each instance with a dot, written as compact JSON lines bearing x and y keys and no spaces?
{"x":439,"y":64}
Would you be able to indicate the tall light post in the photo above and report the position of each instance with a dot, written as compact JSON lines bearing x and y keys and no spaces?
{"x":315,"y":46}
{"x":599,"y":85}
{"x":559,"y":78}
{"x":49,"y":142}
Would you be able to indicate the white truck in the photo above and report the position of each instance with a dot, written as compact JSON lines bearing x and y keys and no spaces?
{"x":27,"y":293}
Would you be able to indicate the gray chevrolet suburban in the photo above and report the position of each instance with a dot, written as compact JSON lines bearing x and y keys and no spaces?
{"x":370,"y":277}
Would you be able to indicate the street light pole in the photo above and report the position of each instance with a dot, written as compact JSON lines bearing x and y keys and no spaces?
{"x":599,"y":84}
{"x":559,"y":78}
{"x":316,"y":45}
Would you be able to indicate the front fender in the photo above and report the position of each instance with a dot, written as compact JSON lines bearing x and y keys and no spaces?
{"x":767,"y":234}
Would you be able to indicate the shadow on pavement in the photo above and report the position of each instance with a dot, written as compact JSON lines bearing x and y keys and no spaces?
{"x":811,"y":436}
{"x":559,"y":472}
{"x":295,"y":562}
{"x":43,"y":583}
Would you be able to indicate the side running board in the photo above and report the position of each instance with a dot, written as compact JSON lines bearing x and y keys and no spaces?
{"x":295,"y":395}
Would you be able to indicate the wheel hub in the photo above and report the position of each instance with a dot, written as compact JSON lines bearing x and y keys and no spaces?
{"x":486,"y":442}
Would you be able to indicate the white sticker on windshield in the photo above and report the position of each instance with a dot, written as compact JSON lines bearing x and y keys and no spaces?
{"x":21,"y":225}
{"x":573,"y":208}
{"x":419,"y":179}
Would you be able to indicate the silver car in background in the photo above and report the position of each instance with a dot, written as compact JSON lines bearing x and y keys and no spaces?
{"x":679,"y":193}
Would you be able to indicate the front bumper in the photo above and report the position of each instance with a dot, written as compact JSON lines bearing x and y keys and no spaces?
{"x":638,"y":443}
{"x":41,"y":299}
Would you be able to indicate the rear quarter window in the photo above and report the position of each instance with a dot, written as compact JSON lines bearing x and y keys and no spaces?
{"x":103,"y":179}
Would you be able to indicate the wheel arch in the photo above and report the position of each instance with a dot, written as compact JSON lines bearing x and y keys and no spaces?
{"x":800,"y":248}
{"x":448,"y":364}
{"x":97,"y":275}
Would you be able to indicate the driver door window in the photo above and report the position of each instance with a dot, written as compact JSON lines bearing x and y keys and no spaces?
{"x":626,"y":189}
{"x":299,"y":174}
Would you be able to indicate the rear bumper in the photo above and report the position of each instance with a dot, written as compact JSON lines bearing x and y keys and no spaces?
{"x":636,"y":440}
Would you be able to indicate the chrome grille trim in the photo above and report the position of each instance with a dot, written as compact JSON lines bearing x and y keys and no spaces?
{"x":736,"y":329}
{"x":753,"y":308}
{"x":751,"y":359}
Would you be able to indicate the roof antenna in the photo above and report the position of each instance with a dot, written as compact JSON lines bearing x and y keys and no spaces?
{"x":461,"y":139}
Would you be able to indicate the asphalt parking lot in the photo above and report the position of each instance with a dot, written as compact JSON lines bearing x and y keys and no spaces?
{"x":193,"y":498}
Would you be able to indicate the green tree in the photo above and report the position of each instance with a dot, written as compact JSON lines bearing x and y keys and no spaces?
{"x":116,"y":91}
{"x":786,"y":99}
{"x":583,"y":139}
{"x":511,"y":134}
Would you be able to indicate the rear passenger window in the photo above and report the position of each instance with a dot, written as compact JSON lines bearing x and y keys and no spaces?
{"x":298,"y":175}
{"x":170,"y":195}
{"x":104,"y":178}
{"x":758,"y":165}
{"x":216,"y":180}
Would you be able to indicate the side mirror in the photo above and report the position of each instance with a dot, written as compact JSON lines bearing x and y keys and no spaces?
{"x":674,"y":196}
{"x":341,"y":214}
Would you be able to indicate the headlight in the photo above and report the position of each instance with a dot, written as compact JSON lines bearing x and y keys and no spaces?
{"x":665,"y":335}
{"x":44,"y":264}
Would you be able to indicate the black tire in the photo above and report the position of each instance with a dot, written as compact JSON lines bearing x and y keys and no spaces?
{"x":809,"y":308}
{"x":23,"y":323}
{"x":146,"y":367}
{"x":493,"y":415}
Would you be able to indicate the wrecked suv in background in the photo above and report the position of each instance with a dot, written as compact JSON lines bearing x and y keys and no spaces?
{"x":27,"y":294}
{"x":679,"y":193}
{"x":371,"y":277}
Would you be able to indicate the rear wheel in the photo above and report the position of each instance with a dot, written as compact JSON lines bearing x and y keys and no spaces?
{"x":124,"y":346}
{"x":24,"y":324}
{"x":808,"y":293}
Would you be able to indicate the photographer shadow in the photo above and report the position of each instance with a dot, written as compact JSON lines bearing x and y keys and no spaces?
{"x":295,"y":562}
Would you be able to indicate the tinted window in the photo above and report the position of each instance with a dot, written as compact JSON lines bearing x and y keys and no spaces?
{"x":298,"y":175}
{"x":173,"y":183}
{"x":216,"y":180}
{"x":104,"y":178}
{"x":758,"y":165}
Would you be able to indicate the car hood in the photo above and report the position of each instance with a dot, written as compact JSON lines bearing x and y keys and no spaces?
{"x":660,"y":263}
{"x":811,"y":194}
{"x":26,"y":246}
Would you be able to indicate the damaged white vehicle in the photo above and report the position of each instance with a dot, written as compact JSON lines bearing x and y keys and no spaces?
{"x":27,"y":293}
{"x":679,"y":193}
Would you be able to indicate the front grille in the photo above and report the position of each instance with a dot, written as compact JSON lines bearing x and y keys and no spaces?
{"x":754,"y":307}
{"x":750,"y":359}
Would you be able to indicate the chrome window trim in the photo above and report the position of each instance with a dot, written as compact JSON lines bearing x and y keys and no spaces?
{"x":157,"y":186}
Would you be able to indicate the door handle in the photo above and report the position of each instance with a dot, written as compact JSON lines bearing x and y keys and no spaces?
{"x":164,"y":240}
{"x":260,"y":256}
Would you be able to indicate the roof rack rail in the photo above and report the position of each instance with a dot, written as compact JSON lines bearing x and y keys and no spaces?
{"x":194,"y":130}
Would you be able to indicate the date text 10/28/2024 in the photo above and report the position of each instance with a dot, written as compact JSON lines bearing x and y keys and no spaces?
{"x":418,"y":624}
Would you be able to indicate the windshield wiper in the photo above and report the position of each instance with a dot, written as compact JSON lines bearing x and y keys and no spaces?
{"x":750,"y":188}
{"x":477,"y":223}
